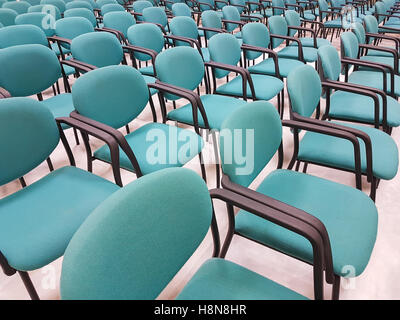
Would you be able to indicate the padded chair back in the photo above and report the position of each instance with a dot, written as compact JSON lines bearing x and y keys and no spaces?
{"x":99,"y":49}
{"x":155,"y":15}
{"x":330,"y":62}
{"x":277,"y":25}
{"x":101,"y":3}
{"x":278,"y":3}
{"x":7,"y":16}
{"x":292,"y":19}
{"x":224,"y":48}
{"x":72,"y":27}
{"x":20,"y":35}
{"x":349,"y":45}
{"x":34,"y":136}
{"x":255,"y":34}
{"x":380,"y":9}
{"x":180,"y":66}
{"x":119,"y":20}
{"x":259,"y":126}
{"x":139,"y":6}
{"x":114,"y":95}
{"x":323,"y":6}
{"x":210,"y":19}
{"x":110,"y":7}
{"x":81,"y":12}
{"x":150,"y":215}
{"x":371,"y":26}
{"x":78,"y":4}
{"x":204,"y":7}
{"x":28,"y":69}
{"x":18,"y":6}
{"x":146,"y":35}
{"x":91,"y":2}
{"x":231,"y":13}
{"x":60,"y":4}
{"x":41,"y":20}
{"x":181,"y":9}
{"x":33,"y":2}
{"x":184,"y":27}
{"x":359,"y":31}
{"x":238,"y":4}
{"x":304,"y":88}
{"x":46,"y":8}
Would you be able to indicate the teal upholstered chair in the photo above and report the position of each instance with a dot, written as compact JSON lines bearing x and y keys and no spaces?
{"x":60,"y":4}
{"x":79,"y":4}
{"x":46,"y":8}
{"x":110,"y":7}
{"x":81,"y":12}
{"x":212,"y":22}
{"x":36,"y":19}
{"x":145,"y":270}
{"x":37,"y":222}
{"x":366,"y":151}
{"x":330,"y":18}
{"x":344,"y":217}
{"x":101,"y":3}
{"x":18,"y":6}
{"x":231,"y":19}
{"x":7,"y":16}
{"x":111,"y":97}
{"x":157,"y":16}
{"x":33,"y":2}
{"x":375,"y":75}
{"x":138,"y":7}
{"x":22,"y":34}
{"x":369,"y":105}
{"x":119,"y":21}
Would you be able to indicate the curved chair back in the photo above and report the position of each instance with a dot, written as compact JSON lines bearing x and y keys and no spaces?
{"x":120,"y":21}
{"x":155,"y":15}
{"x":151,"y":215}
{"x":239,"y":5}
{"x":101,"y":3}
{"x":292,"y":19}
{"x":304,"y":88}
{"x":146,"y":35}
{"x":46,"y":8}
{"x":224,"y":48}
{"x":7,"y":16}
{"x":323,"y":6}
{"x":110,"y":7}
{"x":60,"y":4}
{"x":113,"y":95}
{"x":264,"y":122}
{"x":139,"y":6}
{"x":81,"y":12}
{"x":330,"y":62}
{"x":210,"y":19}
{"x":255,"y":34}
{"x":180,"y":9}
{"x":22,"y":34}
{"x":42,"y":20}
{"x":277,"y":25}
{"x":184,"y":27}
{"x":207,"y":5}
{"x":78,"y":4}
{"x":99,"y":49}
{"x":31,"y":141}
{"x":23,"y":73}
{"x":278,"y":4}
{"x":359,"y":31}
{"x":371,"y":24}
{"x":33,"y":2}
{"x":349,"y":45}
{"x":231,"y":13}
{"x":180,"y":66}
{"x":380,"y":9}
{"x":18,"y":6}
{"x":72,"y":27}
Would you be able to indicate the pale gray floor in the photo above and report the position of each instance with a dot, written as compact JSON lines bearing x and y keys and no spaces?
{"x":380,"y":280}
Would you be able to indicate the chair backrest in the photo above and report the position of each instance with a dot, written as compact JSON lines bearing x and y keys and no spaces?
{"x":359,"y":31}
{"x":184,"y":27}
{"x":44,"y":21}
{"x":99,"y":49}
{"x":330,"y":62}
{"x":7,"y":16}
{"x":224,"y":48}
{"x":71,"y":27}
{"x":277,"y":25}
{"x":150,"y":216}
{"x":101,"y":3}
{"x":259,"y":126}
{"x":181,"y":9}
{"x":380,"y":9}
{"x":81,"y":12}
{"x":304,"y":88}
{"x":155,"y":15}
{"x":33,"y":2}
{"x":371,"y":26}
{"x":180,"y":66}
{"x":22,"y":34}
{"x":28,"y":135}
{"x":323,"y":6}
{"x":146,"y":35}
{"x":114,"y":95}
{"x":349,"y":45}
{"x":139,"y":6}
{"x":239,"y":5}
{"x":203,"y":5}
{"x":255,"y":34}
{"x":279,"y":4}
{"x":292,"y":19}
{"x":78,"y":4}
{"x":60,"y":4}
{"x":210,"y":19}
{"x":119,"y":20}
{"x":18,"y":6}
{"x":110,"y":7}
{"x":46,"y":8}
{"x":231,"y":13}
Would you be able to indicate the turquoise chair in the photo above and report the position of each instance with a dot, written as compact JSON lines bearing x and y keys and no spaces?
{"x":330,"y":19}
{"x":371,"y":74}
{"x":251,"y":11}
{"x":109,"y":98}
{"x":225,"y":54}
{"x":344,"y":217}
{"x":38,"y":221}
{"x":101,"y":3}
{"x":18,"y":6}
{"x":215,"y":5}
{"x":232,"y":20}
{"x":81,"y":12}
{"x":36,"y":19}
{"x":138,"y":7}
{"x":60,"y":4}
{"x":33,"y":2}
{"x":366,"y":151}
{"x":157,"y":16}
{"x":119,"y":21}
{"x":46,"y":8}
{"x":110,"y":7}
{"x":366,"y":105}
{"x":78,"y":4}
{"x":144,"y":271}
{"x":181,"y":9}
{"x":22,"y":34}
{"x":211,"y":23}
{"x":7,"y":16}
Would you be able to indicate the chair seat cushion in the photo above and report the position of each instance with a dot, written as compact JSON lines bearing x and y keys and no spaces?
{"x":309,"y":54}
{"x":380,"y":53}
{"x":337,"y":23}
{"x":308,"y":16}
{"x":148,"y":80}
{"x":348,"y":214}
{"x":385,"y":60}
{"x":56,"y":49}
{"x":217,"y":108}
{"x":149,"y":70}
{"x":37,"y":222}
{"x":219,"y":279}
{"x":60,"y":105}
{"x":375,"y":80}
{"x":309,"y":42}
{"x":350,"y":106}
{"x":157,"y":146}
{"x":267,"y":66}
{"x":265,"y":87}
{"x":337,"y":152}
{"x":206,"y":54}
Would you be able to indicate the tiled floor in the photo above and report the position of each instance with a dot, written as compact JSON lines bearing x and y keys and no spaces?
{"x":381,"y":279}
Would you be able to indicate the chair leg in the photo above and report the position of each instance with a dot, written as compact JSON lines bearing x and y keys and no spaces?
{"x":230,"y":233}
{"x":29,"y":285}
{"x":305,"y":167}
{"x":217,"y":166}
{"x":336,"y":288}
{"x":202,"y":167}
{"x":76,"y":136}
